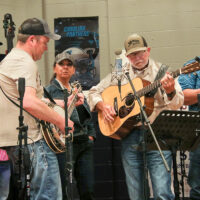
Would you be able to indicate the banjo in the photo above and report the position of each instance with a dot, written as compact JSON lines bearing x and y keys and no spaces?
{"x":52,"y":135}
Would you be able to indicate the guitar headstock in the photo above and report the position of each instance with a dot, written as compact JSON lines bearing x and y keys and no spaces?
{"x":9,"y":26}
{"x":9,"y":29}
{"x":77,"y":85}
{"x":191,"y":67}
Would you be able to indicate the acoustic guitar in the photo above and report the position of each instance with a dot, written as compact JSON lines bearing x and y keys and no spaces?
{"x":127,"y":108}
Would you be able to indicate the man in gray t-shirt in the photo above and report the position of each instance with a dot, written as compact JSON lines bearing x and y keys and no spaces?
{"x":32,"y":39}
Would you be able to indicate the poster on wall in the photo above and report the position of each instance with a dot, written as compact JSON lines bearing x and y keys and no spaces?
{"x":80,"y":38}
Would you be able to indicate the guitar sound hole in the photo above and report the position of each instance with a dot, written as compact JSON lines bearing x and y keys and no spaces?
{"x":129,"y":99}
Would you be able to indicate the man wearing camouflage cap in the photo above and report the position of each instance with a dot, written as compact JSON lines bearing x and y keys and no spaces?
{"x":136,"y":59}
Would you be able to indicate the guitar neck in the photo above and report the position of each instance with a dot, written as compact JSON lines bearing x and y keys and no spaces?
{"x":9,"y":44}
{"x":156,"y":84}
{"x":75,"y":97}
{"x":72,"y":105}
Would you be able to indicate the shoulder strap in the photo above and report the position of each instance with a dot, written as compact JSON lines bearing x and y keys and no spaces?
{"x":159,"y":75}
{"x":18,"y":105}
{"x":161,"y":72}
{"x":48,"y":96}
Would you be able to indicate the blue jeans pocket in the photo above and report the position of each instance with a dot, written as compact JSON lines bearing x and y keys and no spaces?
{"x":46,"y":177}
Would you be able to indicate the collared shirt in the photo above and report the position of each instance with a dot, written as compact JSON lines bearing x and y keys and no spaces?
{"x":190,"y":81}
{"x":61,"y":85}
{"x":161,"y":101}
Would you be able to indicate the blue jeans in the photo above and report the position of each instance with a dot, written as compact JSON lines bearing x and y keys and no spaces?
{"x":194,"y":174}
{"x":45,"y":183}
{"x":133,"y":163}
{"x":5,"y":174}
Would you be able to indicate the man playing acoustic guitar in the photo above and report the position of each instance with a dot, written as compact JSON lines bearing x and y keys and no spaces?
{"x":169,"y":96}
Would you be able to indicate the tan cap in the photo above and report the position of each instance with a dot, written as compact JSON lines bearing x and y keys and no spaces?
{"x":64,"y":56}
{"x":135,"y":43}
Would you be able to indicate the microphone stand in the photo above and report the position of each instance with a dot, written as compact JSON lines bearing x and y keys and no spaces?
{"x":23,"y":150}
{"x":69,"y":150}
{"x":145,"y":120}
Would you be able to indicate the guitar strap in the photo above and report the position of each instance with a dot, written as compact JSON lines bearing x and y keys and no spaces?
{"x":37,"y":120}
{"x":45,"y":92}
{"x":159,"y":75}
{"x":48,"y":96}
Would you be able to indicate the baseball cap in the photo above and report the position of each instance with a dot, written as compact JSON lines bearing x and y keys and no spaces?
{"x":34,"y":26}
{"x":135,"y":43}
{"x":64,"y":56}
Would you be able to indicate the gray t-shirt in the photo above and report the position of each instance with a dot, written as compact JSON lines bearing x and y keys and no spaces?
{"x":16,"y":64}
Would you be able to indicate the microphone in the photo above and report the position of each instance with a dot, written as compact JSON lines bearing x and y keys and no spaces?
{"x":118,"y":68}
{"x":21,"y":87}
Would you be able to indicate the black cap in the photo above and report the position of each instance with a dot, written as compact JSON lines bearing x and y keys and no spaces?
{"x":34,"y":26}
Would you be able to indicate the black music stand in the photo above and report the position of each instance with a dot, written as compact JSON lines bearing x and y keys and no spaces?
{"x":176,"y":130}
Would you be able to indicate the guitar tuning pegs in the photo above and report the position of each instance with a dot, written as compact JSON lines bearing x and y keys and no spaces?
{"x":197,"y":59}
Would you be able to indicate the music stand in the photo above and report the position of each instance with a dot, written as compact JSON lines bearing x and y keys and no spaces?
{"x":176,"y":130}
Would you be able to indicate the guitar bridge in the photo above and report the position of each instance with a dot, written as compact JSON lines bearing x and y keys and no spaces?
{"x":116,"y":106}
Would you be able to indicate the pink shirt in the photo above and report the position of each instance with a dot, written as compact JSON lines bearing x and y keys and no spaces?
{"x":3,"y":155}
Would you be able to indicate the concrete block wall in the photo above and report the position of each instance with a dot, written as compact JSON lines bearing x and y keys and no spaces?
{"x":21,"y":10}
{"x":170,"y":27}
{"x":79,"y":8}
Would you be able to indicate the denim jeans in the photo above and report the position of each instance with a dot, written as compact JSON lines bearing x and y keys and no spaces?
{"x":83,"y":169}
{"x":194,"y":174}
{"x":133,"y":163}
{"x":5,"y":174}
{"x":45,"y":183}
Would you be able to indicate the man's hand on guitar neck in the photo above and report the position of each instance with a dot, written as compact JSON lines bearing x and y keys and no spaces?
{"x":107,"y":111}
{"x":168,"y":84}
